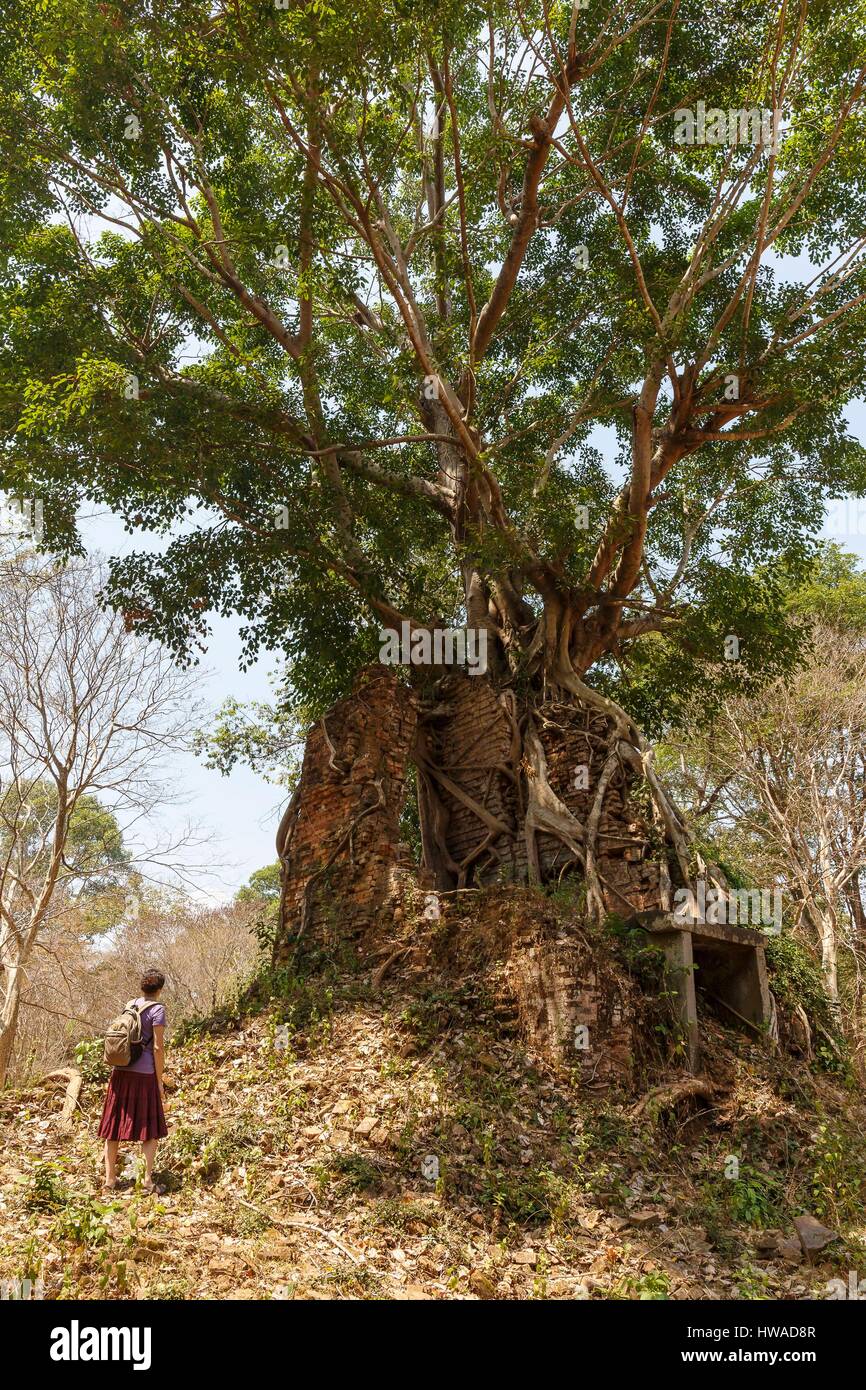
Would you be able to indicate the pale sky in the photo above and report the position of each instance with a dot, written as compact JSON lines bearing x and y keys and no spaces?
{"x":241,"y":811}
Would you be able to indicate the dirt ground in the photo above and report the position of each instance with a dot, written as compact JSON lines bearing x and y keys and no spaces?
{"x":349,"y":1141}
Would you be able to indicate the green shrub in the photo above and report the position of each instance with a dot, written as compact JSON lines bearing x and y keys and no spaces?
{"x":795,"y":978}
{"x":203,"y":1155}
{"x":90,"y":1061}
{"x":755,"y":1197}
{"x":83,"y":1221}
{"x":47,"y":1191}
{"x":77,"y":1217}
{"x":654,"y":1287}
{"x":348,"y":1172}
{"x":634,"y":948}
{"x":838,"y":1181}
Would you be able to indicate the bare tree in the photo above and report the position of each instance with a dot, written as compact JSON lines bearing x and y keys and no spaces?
{"x":785,"y":772}
{"x":88,"y":715}
{"x":74,"y":981}
{"x":206,"y":952}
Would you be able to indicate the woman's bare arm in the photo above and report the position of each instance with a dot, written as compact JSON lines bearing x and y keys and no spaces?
{"x":159,"y":1051}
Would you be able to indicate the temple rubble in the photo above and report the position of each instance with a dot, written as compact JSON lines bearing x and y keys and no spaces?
{"x":345,"y":871}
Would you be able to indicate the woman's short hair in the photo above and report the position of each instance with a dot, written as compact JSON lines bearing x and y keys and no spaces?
{"x":151,"y":981}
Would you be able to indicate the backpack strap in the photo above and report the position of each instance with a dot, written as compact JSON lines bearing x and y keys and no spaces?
{"x":132,"y":1008}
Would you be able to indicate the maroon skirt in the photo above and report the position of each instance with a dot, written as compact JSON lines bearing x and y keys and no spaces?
{"x":133,"y":1107}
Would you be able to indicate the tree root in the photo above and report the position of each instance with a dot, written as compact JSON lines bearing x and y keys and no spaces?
{"x":624,"y":725}
{"x":594,"y":895}
{"x":492,"y":822}
{"x":72,"y":1079}
{"x":297,"y":1223}
{"x":286,"y":827}
{"x":641,"y":760}
{"x":668,"y":1096}
{"x":433,"y":818}
{"x":336,"y":765}
{"x":544,"y":810}
{"x":539,"y":808}
{"x":381,"y":970}
{"x":634,"y":748}
{"x":476,"y":853}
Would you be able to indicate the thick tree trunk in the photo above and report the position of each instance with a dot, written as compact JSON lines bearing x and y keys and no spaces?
{"x":11,"y":980}
{"x":825,"y":921}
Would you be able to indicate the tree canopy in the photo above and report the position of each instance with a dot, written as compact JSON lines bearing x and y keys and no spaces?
{"x":431,"y":310}
{"x":95,"y":857}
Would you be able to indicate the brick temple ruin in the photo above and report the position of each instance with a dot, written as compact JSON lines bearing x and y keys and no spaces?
{"x":346,"y":872}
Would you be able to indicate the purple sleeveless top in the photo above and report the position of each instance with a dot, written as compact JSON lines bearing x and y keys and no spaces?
{"x":152,"y":1016}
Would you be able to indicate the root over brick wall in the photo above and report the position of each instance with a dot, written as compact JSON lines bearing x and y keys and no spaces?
{"x":472,"y":739}
{"x":344,"y":871}
{"x":340,"y":843}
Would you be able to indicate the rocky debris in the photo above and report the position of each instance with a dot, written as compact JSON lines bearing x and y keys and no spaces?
{"x":482,"y":1285}
{"x":814,"y":1237}
{"x":791,"y":1251}
{"x":646,"y":1217}
{"x":766,"y":1242}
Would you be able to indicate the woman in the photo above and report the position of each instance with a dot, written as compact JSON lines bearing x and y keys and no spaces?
{"x":133,"y":1107}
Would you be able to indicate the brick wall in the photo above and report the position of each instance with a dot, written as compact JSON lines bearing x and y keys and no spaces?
{"x":341,"y":860}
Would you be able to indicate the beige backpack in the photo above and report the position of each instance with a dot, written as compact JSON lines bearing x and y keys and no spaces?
{"x":122,"y":1043}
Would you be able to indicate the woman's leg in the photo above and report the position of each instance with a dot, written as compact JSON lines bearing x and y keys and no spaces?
{"x":111,"y":1147}
{"x":148,"y":1148}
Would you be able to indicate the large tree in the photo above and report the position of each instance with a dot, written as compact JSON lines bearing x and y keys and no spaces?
{"x":540,"y":317}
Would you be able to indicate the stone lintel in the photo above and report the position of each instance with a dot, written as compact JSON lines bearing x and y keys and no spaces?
{"x":661,"y":923}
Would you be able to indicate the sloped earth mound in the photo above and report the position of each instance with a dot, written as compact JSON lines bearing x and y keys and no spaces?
{"x":395,"y":1132}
